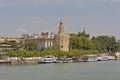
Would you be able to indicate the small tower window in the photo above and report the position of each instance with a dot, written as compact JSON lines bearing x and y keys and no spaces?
{"x":61,"y":46}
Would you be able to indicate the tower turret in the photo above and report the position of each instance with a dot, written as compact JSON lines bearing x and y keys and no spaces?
{"x":61,"y":28}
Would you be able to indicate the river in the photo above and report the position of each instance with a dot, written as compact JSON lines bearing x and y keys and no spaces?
{"x":104,"y":70}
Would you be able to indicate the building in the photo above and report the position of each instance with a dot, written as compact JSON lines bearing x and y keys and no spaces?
{"x":41,"y":35}
{"x":44,"y":43}
{"x":5,"y":47}
{"x":43,"y":40}
{"x":3,"y":39}
{"x":62,"y":39}
{"x":4,"y":42}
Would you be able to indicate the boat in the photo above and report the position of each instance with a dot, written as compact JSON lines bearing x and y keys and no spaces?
{"x":64,"y":60}
{"x":59,"y":60}
{"x":105,"y":58}
{"x":99,"y":58}
{"x":48,"y":59}
{"x":111,"y":57}
{"x":92,"y":59}
{"x":68,"y":60}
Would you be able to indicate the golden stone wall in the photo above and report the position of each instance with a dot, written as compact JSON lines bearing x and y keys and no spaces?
{"x":62,"y":39}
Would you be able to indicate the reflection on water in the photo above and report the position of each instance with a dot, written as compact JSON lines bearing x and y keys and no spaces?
{"x":106,"y":70}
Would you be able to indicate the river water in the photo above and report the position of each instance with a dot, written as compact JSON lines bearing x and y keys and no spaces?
{"x":106,"y":70}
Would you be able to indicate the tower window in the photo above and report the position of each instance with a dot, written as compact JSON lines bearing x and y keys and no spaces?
{"x":62,"y":46}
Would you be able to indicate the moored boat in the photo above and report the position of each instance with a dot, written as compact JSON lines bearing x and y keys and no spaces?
{"x":111,"y":57}
{"x":92,"y":59}
{"x":48,"y":59}
{"x":67,"y":60}
{"x":64,"y":60}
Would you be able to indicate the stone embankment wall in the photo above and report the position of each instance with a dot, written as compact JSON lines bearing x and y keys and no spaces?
{"x":35,"y":61}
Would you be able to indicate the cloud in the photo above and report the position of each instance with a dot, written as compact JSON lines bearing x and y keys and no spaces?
{"x":21,"y":30}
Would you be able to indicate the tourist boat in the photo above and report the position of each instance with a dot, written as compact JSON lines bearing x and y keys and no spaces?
{"x":48,"y":59}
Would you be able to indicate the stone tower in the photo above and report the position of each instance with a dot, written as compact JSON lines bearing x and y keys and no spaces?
{"x":62,"y":39}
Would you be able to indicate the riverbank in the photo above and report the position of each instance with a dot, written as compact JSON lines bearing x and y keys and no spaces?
{"x":38,"y":60}
{"x":13,"y":62}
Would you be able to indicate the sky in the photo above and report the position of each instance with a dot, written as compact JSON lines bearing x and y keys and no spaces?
{"x":98,"y":17}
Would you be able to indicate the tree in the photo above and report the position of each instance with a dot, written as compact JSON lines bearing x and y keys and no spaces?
{"x":117,"y":46}
{"x":44,"y":33}
{"x":30,"y":45}
{"x":105,"y":43}
{"x":11,"y":54}
{"x":13,"y":44}
{"x":83,"y":34}
{"x":22,"y":53}
{"x":81,"y":42}
{"x":25,"y":36}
